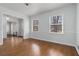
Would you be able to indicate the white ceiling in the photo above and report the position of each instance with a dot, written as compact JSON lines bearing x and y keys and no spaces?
{"x":33,"y":8}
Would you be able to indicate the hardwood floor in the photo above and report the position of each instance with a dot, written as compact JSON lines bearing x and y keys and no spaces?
{"x":16,"y":46}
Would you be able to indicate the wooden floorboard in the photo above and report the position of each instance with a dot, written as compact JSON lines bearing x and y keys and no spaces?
{"x":17,"y":46}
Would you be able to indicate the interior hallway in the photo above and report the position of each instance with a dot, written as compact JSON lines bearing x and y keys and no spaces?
{"x":17,"y":46}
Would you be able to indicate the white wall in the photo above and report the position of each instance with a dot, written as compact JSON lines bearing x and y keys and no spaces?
{"x":1,"y":30}
{"x":20,"y":29}
{"x":4,"y":26}
{"x":77,"y":24}
{"x":69,"y":37}
{"x":18,"y":15}
{"x":26,"y":28}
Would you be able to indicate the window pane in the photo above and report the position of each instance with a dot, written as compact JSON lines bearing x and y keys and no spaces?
{"x":35,"y":28}
{"x":54,"y":20}
{"x":56,"y":28}
{"x":60,"y":19}
{"x":35,"y":25}
{"x":35,"y":22}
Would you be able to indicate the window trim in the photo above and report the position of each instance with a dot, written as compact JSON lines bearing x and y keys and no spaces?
{"x":35,"y":25}
{"x":53,"y":24}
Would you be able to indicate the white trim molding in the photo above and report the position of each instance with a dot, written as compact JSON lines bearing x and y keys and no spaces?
{"x":52,"y":41}
{"x":77,"y":49}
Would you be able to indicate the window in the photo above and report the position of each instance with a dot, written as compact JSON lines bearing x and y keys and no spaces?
{"x":56,"y":24}
{"x":35,"y":25}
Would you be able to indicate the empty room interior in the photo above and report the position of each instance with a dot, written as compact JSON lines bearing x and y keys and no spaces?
{"x":39,"y":29}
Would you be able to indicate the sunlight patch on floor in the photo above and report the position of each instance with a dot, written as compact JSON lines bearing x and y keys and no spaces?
{"x":36,"y":49}
{"x":53,"y":52}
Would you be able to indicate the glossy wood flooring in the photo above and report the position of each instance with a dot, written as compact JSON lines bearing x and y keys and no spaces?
{"x":16,"y":46}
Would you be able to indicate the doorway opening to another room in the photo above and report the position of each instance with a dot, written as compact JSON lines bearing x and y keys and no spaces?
{"x":12,"y":28}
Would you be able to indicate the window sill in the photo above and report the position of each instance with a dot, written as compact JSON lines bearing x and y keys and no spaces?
{"x":57,"y":32}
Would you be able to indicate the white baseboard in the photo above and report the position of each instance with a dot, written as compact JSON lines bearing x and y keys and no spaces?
{"x":53,"y":41}
{"x":77,"y":49}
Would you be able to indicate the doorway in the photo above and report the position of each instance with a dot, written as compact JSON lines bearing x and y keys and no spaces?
{"x":13,"y":26}
{"x":11,"y":29}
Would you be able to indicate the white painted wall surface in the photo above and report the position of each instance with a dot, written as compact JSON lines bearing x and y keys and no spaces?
{"x":69,"y":37}
{"x":26,"y":28}
{"x":4,"y":26}
{"x":77,"y":24}
{"x":20,"y":27}
{"x":1,"y":30}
